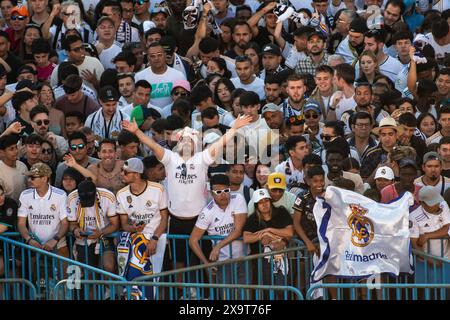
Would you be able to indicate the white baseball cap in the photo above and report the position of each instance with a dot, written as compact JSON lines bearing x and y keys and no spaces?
{"x":260,"y":194}
{"x":384,"y":172}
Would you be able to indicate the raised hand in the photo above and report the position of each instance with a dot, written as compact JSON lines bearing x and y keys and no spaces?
{"x":69,"y":160}
{"x":14,"y":128}
{"x":130,"y":126}
{"x":242,"y":121}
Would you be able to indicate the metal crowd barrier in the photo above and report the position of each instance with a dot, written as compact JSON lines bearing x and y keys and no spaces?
{"x":129,"y":290}
{"x":12,"y":288}
{"x":44,"y":269}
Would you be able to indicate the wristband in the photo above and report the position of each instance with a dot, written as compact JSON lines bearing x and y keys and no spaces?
{"x":155,"y":238}
{"x":29,"y":239}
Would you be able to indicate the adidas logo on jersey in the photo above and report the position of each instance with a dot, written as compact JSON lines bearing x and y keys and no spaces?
{"x":426,"y":225}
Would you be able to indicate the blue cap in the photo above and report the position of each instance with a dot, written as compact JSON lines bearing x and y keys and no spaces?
{"x":312,"y":105}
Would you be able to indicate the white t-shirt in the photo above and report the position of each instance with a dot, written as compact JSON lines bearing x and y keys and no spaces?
{"x":13,"y":180}
{"x":107,"y":55}
{"x":220,"y":222}
{"x":292,"y":56}
{"x":44,"y":214}
{"x":186,"y":182}
{"x":343,"y":105}
{"x":144,"y":207}
{"x":422,"y":222}
{"x":90,"y":63}
{"x":439,"y":187}
{"x":162,"y":84}
{"x":257,"y":86}
{"x":225,"y":118}
{"x":87,"y":217}
{"x":439,"y":51}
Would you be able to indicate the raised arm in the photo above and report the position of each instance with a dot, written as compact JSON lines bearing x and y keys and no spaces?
{"x":253,"y":21}
{"x":48,"y":23}
{"x":217,"y":147}
{"x":69,"y":160}
{"x":278,"y":37}
{"x":158,"y":151}
{"x":412,"y":74}
{"x":200,"y":33}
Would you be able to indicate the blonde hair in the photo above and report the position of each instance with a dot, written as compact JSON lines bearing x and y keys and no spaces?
{"x":373,"y":57}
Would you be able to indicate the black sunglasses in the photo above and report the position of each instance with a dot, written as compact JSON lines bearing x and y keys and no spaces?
{"x":309,"y":116}
{"x":79,"y":146}
{"x":46,"y":151}
{"x":39,"y":122}
{"x":20,"y":18}
{"x":326,"y":137}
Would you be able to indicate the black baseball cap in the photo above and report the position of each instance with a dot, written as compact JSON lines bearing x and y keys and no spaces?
{"x":271,"y":49}
{"x":317,"y":34}
{"x":108,"y":93}
{"x":359,"y":25}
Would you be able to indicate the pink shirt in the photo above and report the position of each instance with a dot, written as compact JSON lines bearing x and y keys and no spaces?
{"x":389,"y":193}
{"x":44,"y":73}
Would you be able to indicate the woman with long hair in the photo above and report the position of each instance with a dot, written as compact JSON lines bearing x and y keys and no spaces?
{"x":225,"y":38}
{"x":56,"y":117}
{"x":427,"y":124}
{"x":32,"y":32}
{"x":270,"y":228}
{"x":222,"y":94}
{"x":236,"y":102}
{"x":368,"y":66}
{"x":261,"y":174}
{"x":252,"y":51}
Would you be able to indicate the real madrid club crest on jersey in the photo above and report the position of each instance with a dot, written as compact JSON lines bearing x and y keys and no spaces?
{"x":362,"y":227}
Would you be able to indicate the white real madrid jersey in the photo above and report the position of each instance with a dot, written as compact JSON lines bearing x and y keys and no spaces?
{"x":220,"y":222}
{"x":44,"y":214}
{"x":422,"y":222}
{"x":186,"y":182}
{"x":92,"y":218}
{"x":144,"y":207}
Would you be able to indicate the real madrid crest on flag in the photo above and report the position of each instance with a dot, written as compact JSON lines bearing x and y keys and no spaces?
{"x":362,"y":227}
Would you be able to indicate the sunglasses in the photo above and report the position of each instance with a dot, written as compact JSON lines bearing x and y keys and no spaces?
{"x":326,"y":137}
{"x":309,"y":116}
{"x":80,"y":146}
{"x":78,"y":49}
{"x":67,"y":14}
{"x":40,"y":122}
{"x":20,"y":18}
{"x":32,"y":178}
{"x":180,"y":93}
{"x":46,"y":151}
{"x":219,"y":192}
{"x":140,"y":2}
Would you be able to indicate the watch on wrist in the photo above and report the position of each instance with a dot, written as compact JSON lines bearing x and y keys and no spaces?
{"x":155,"y":238}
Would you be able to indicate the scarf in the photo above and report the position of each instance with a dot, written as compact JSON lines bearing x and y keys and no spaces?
{"x":123,"y":34}
{"x":103,"y":129}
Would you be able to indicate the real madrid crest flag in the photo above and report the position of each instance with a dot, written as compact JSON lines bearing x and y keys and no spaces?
{"x":360,"y":237}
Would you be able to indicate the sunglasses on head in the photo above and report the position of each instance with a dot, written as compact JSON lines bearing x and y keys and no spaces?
{"x":219,"y":192}
{"x":79,"y":146}
{"x":40,"y":122}
{"x":20,"y":18}
{"x":46,"y":151}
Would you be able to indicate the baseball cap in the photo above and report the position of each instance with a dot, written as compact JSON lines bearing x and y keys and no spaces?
{"x":105,"y":18}
{"x":384,"y":172}
{"x":260,"y":194}
{"x":431,"y":156}
{"x":271,"y":49}
{"x":407,"y":162}
{"x":39,"y":170}
{"x":182,"y":84}
{"x":276,"y":180}
{"x":87,"y":193}
{"x":430,"y":196}
{"x":270,"y":107}
{"x":317,"y":34}
{"x":21,"y":10}
{"x":134,"y":165}
{"x":108,"y":93}
{"x":359,"y":25}
{"x":312,"y":105}
{"x":159,"y":10}
{"x":25,"y":84}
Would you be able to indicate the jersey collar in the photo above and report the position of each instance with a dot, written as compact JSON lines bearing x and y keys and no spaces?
{"x":47,"y":196}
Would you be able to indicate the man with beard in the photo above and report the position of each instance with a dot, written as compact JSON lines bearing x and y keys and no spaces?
{"x":272,"y":90}
{"x":242,"y":35}
{"x":246,"y":78}
{"x":126,"y":89}
{"x":271,"y":60}
{"x":353,"y":45}
{"x":317,"y":55}
{"x":432,"y":168}
{"x":296,"y":88}
{"x":363,"y":98}
{"x":342,"y":28}
{"x":374,"y":41}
